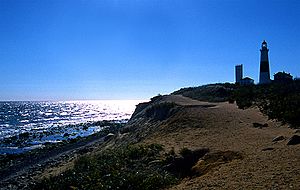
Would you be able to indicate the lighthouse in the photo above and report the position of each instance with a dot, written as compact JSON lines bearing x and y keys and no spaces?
{"x":264,"y":73}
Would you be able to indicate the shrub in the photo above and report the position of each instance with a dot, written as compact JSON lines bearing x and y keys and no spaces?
{"x":211,"y":92}
{"x":181,"y":166}
{"x":122,"y":168}
{"x":278,"y":101}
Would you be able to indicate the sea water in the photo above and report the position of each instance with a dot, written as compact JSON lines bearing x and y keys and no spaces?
{"x":50,"y":121}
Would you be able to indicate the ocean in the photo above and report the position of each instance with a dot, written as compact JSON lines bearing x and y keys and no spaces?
{"x":49,"y":122}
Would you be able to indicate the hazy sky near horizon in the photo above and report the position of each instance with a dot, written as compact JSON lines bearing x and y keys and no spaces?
{"x":135,"y":49}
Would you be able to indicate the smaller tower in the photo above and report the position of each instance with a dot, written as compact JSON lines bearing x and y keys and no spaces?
{"x":238,"y":73}
{"x":264,"y":72}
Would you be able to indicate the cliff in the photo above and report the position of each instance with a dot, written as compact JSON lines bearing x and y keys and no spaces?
{"x":241,"y":155}
{"x":188,"y":144}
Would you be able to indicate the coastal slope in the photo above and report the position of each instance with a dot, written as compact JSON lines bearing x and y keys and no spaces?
{"x":222,"y":127}
{"x":242,"y":148}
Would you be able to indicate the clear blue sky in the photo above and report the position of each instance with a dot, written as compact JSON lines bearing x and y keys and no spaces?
{"x":118,"y":49}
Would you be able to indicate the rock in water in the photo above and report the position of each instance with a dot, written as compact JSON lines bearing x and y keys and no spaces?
{"x":295,"y":139}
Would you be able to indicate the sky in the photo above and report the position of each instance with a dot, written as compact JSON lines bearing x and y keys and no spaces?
{"x":136,"y":49}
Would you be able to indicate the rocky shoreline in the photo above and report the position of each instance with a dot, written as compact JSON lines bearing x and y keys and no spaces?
{"x":20,"y":171}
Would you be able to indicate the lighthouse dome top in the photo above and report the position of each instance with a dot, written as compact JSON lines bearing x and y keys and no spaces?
{"x":264,"y":44}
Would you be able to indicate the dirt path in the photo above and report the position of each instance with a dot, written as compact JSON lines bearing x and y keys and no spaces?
{"x":224,"y":127}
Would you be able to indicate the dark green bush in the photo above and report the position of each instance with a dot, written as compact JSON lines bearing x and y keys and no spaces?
{"x":278,"y":101}
{"x":211,"y":92}
{"x":185,"y":151}
{"x":181,"y":166}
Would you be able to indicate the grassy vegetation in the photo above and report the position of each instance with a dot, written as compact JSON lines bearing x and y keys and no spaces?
{"x":279,"y":101}
{"x":211,"y":92}
{"x":130,"y":167}
{"x":133,"y":167}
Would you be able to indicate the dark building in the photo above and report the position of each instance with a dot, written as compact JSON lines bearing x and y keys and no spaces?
{"x":264,"y":72}
{"x":283,"y":77}
{"x":247,"y":81}
{"x":238,"y":73}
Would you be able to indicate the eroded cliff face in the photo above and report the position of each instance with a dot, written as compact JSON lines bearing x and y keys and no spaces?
{"x":146,"y":119}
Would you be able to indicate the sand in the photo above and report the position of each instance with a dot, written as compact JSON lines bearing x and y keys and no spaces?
{"x":222,"y":127}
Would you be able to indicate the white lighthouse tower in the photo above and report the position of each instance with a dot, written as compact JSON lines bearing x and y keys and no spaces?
{"x":264,"y":73}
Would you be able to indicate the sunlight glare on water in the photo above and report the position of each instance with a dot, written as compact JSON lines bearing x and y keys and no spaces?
{"x":28,"y":125}
{"x":19,"y":117}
